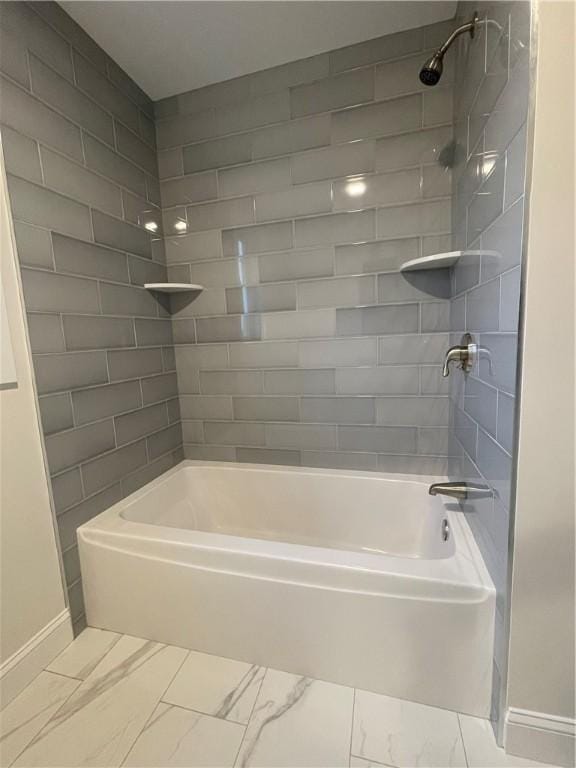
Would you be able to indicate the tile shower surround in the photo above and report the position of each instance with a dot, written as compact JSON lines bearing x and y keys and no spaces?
{"x":491,"y":105}
{"x":79,"y":147}
{"x":307,"y":345}
{"x":293,"y":195}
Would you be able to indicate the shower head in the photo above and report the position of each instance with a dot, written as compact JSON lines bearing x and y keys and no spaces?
{"x":431,"y":71}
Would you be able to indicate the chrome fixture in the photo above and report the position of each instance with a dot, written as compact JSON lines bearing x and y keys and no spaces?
{"x":445,"y":530}
{"x":431,"y":71}
{"x":458,"y":490}
{"x":465,"y":354}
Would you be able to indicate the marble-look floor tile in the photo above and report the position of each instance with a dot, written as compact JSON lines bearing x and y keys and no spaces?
{"x":482,"y":750}
{"x":359,"y":762}
{"x":403,"y":733}
{"x":298,"y":722}
{"x":216,"y":686}
{"x":101,"y":720}
{"x":179,"y":737}
{"x":29,"y":712}
{"x":84,"y":653}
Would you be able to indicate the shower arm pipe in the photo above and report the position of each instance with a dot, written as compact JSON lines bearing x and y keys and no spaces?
{"x":468,"y":27}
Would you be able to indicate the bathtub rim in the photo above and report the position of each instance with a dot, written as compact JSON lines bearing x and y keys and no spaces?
{"x":464,"y":569}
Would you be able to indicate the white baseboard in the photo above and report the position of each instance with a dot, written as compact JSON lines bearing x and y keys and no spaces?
{"x":541,"y":737}
{"x":24,"y":665}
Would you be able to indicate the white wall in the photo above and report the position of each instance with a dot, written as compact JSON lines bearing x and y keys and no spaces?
{"x":34,"y":622}
{"x":541,"y":655}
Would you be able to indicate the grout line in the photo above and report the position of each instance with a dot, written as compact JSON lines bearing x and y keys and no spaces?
{"x":94,"y":66}
{"x":54,"y":714}
{"x":462,"y":739}
{"x":155,"y":706}
{"x":352,"y":725}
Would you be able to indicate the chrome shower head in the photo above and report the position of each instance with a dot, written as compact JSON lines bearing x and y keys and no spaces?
{"x":431,"y":71}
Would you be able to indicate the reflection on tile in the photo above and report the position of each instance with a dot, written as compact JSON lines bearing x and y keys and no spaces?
{"x":226,"y":213}
{"x":341,"y":160}
{"x":298,"y":722}
{"x":482,"y":750}
{"x":216,"y":686}
{"x":84,"y":654}
{"x":403,"y":733}
{"x":268,"y":298}
{"x":29,"y":712}
{"x":384,"y":189}
{"x":266,"y":237}
{"x":178,"y":737}
{"x":411,"y":149}
{"x":385,"y":256}
{"x":98,"y":724}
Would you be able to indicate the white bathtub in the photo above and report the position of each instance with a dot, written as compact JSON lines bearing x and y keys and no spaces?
{"x":338,"y":575}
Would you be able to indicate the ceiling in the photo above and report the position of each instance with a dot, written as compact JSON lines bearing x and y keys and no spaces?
{"x":170,"y":47}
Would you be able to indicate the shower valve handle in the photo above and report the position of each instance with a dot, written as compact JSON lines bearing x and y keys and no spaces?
{"x":465,"y":354}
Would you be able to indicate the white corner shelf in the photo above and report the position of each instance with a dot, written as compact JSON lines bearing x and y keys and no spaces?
{"x":436,"y":261}
{"x":174,"y":287}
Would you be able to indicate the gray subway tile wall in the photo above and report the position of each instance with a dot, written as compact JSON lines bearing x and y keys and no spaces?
{"x":491,"y":98}
{"x":79,"y":144}
{"x":294,"y":195}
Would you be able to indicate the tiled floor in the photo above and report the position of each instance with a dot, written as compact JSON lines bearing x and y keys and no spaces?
{"x":111,"y":700}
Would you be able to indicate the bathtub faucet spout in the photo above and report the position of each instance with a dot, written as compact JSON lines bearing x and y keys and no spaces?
{"x":458,"y":490}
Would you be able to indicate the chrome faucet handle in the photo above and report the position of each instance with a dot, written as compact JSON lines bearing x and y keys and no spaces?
{"x":465,"y":354}
{"x":485,"y":354}
{"x":460,"y":490}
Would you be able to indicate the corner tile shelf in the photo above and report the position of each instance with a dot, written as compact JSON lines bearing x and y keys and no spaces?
{"x":436,"y":261}
{"x":174,"y":287}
